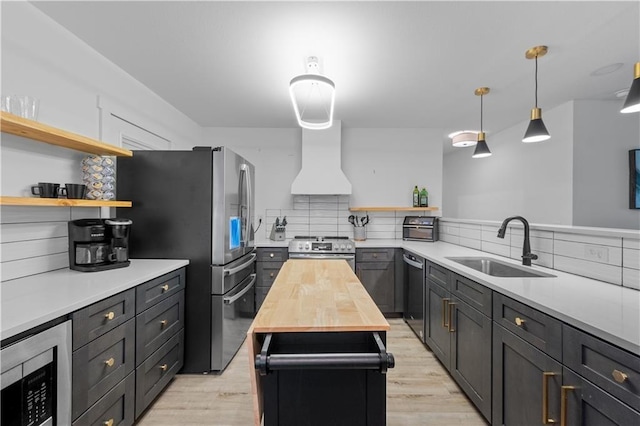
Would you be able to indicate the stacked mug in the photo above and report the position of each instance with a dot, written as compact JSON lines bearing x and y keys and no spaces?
{"x":98,"y":173}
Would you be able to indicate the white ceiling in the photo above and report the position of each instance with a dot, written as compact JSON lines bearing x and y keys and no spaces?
{"x":395,"y":64}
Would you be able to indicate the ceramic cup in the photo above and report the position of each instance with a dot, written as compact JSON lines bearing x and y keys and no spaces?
{"x":46,"y":189}
{"x":74,"y":190}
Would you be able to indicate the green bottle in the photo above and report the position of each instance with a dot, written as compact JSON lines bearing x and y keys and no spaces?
{"x":424,"y":198}
{"x":416,"y":197}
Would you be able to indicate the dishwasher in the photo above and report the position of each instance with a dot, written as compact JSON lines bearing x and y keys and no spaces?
{"x":414,"y":284}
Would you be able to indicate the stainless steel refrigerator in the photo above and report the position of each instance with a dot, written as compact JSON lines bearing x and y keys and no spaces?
{"x":198,"y":205}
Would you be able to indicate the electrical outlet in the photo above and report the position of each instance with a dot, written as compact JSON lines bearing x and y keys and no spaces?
{"x":597,"y":253}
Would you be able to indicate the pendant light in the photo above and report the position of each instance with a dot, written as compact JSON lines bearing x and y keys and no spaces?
{"x":482,"y":150}
{"x":313,"y":96}
{"x":632,"y":103}
{"x":537,"y":131}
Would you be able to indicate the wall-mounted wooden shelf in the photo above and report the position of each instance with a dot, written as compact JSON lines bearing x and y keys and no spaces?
{"x":390,"y":209}
{"x":43,"y":133}
{"x":60,"y":202}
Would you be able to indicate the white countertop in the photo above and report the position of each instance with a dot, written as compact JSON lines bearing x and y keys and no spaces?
{"x":31,"y":301}
{"x":605,"y":310}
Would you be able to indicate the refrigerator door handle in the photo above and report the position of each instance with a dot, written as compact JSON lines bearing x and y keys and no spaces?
{"x":230,"y":300}
{"x":231,"y":271}
{"x":244,"y":172}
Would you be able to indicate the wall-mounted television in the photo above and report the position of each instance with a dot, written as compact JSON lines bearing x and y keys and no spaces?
{"x":634,"y":179}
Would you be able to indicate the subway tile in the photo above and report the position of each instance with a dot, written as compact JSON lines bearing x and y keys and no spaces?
{"x":25,"y":249}
{"x":10,"y":232}
{"x":85,"y":213}
{"x":471,"y":233}
{"x":375,"y":235}
{"x":323,"y":213}
{"x":301,"y":199}
{"x":589,"y":239}
{"x":296,"y":219}
{"x":27,"y":214}
{"x":323,"y":206}
{"x":537,"y":244}
{"x":382,"y":220}
{"x":274,"y":212}
{"x":448,"y":238}
{"x":519,"y":231}
{"x":315,"y":228}
{"x":631,"y":243}
{"x":544,"y":259}
{"x":631,"y":258}
{"x":301,"y":206}
{"x":470,"y":242}
{"x":589,"y":252}
{"x":323,"y":199}
{"x":490,"y":235}
{"x":499,"y":249}
{"x":631,"y":278}
{"x":34,"y":265}
{"x":449,"y":230}
{"x":598,"y":271}
{"x":323,"y":221}
{"x":381,"y":227}
{"x":292,"y":213}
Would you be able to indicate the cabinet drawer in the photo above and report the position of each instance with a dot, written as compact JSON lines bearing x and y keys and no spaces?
{"x":156,"y":325}
{"x":116,"y":407}
{"x":261,"y":294}
{"x":100,"y":365}
{"x":587,"y":404}
{"x":158,"y":289}
{"x":542,"y":331}
{"x":602,"y":363}
{"x":156,"y":372}
{"x":267,"y":273}
{"x":374,"y":254}
{"x":437,"y":274}
{"x":476,"y":295}
{"x":276,"y":254}
{"x":97,"y":319}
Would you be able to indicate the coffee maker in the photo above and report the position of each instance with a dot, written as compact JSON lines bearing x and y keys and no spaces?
{"x":99,"y":244}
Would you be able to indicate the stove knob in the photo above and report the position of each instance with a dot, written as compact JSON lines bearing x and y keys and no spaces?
{"x":349,"y":247}
{"x":342,"y":246}
{"x":307,"y":246}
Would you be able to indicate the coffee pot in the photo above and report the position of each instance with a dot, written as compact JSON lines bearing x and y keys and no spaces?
{"x":99,"y":244}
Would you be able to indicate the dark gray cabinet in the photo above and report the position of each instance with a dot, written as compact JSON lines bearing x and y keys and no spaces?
{"x":375,"y":268}
{"x":458,"y":333}
{"x":126,"y":349}
{"x":269,"y":261}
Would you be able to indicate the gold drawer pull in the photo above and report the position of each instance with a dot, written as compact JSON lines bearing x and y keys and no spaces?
{"x":451,"y":308}
{"x":108,"y":422}
{"x":164,"y":367}
{"x":545,"y":397}
{"x":271,"y":275}
{"x":445,"y":324}
{"x":375,"y":254}
{"x":110,"y":362}
{"x":163,"y":323}
{"x":520,"y":322}
{"x":271,"y":254}
{"x":619,"y":376}
{"x":563,"y":404}
{"x":111,"y":315}
{"x":165,"y":287}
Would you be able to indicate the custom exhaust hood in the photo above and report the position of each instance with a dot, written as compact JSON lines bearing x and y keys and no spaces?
{"x":321,"y":172}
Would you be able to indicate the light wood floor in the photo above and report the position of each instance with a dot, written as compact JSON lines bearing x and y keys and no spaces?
{"x":419,"y":392}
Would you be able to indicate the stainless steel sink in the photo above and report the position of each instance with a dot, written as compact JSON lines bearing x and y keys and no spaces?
{"x":497,"y":268}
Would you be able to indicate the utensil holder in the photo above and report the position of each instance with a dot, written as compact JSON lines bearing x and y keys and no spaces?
{"x":359,"y":233}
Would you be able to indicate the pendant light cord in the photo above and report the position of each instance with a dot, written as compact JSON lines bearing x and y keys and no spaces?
{"x":536,"y":81}
{"x":481,"y":96}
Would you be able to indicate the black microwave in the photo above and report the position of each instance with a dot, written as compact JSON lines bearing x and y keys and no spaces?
{"x":420,"y":228}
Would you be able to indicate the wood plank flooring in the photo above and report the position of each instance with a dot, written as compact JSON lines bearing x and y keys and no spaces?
{"x":419,"y":392}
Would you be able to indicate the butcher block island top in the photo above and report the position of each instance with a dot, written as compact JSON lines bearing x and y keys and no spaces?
{"x":311,"y":296}
{"x":318,"y":295}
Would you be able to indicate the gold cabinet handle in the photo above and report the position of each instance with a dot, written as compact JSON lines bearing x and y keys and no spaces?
{"x":451,"y":308}
{"x":545,"y":397}
{"x":111,"y":315}
{"x":271,"y":254}
{"x":165,"y":287}
{"x":619,"y":376}
{"x":520,"y":322}
{"x":108,"y":422}
{"x":163,"y":323}
{"x":563,"y":404}
{"x":271,"y":275}
{"x":375,"y":254}
{"x":164,"y":367}
{"x":110,"y":362}
{"x":445,"y":300}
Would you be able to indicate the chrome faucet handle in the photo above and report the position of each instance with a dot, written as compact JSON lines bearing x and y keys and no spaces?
{"x":530,"y":256}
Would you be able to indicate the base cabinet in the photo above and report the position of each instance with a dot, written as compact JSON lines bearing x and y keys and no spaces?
{"x":269,"y":261}
{"x":375,"y":269}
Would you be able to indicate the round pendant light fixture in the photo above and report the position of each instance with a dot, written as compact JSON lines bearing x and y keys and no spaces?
{"x":632,"y":103}
{"x":313,"y":97}
{"x":537,"y":131}
{"x":482,"y":149}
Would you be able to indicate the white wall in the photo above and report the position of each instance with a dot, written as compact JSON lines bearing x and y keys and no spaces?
{"x":533,"y":180}
{"x":602,"y":140}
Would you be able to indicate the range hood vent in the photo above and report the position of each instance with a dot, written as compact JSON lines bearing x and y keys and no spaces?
{"x":321,"y":172}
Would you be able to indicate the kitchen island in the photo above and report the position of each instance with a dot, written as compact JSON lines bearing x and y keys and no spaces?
{"x":313,"y":298}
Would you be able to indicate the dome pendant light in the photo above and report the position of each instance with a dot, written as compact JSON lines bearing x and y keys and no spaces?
{"x":482,"y":150}
{"x":537,"y":131}
{"x":632,"y":103}
{"x":313,"y":97}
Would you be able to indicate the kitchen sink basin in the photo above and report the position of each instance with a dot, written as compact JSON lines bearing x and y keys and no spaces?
{"x":497,"y":268}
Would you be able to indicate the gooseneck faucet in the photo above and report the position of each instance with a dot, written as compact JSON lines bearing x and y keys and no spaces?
{"x":526,"y":247}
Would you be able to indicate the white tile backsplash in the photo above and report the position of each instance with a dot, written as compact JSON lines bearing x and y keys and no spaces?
{"x":599,"y":271}
{"x":631,"y":278}
{"x":589,"y":239}
{"x":589,"y":252}
{"x":631,"y":258}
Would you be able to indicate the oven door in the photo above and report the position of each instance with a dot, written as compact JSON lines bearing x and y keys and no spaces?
{"x":350,"y":258}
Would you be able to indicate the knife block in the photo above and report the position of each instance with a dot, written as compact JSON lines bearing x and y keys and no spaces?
{"x":277,"y":233}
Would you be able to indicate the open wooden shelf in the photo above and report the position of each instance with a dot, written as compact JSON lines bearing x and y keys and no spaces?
{"x":390,"y":209}
{"x":60,"y":202}
{"x":41,"y":132}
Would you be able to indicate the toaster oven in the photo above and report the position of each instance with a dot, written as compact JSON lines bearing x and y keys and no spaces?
{"x":420,"y":228}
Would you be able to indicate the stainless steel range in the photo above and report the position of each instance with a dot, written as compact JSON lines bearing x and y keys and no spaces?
{"x":338,"y":248}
